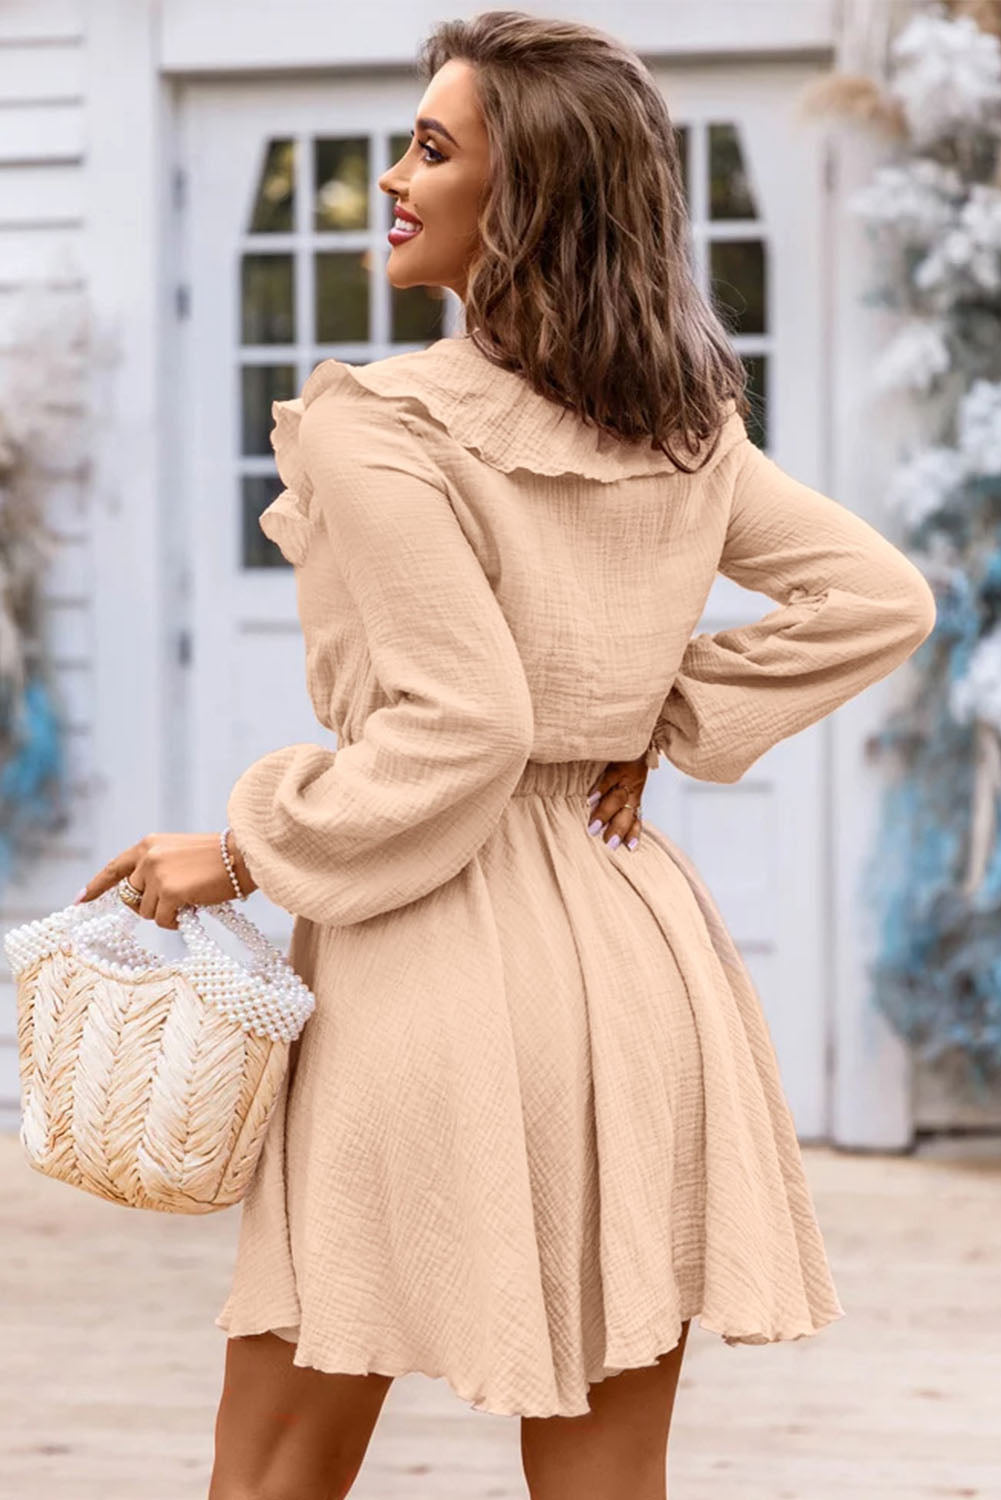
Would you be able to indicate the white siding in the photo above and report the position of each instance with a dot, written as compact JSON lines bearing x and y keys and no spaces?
{"x":235,"y":35}
{"x":42,"y":144}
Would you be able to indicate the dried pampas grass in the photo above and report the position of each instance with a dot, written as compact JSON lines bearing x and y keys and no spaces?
{"x":984,"y":13}
{"x":856,"y":97}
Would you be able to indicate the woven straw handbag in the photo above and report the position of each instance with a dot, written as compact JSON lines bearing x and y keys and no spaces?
{"x":148,"y":1082}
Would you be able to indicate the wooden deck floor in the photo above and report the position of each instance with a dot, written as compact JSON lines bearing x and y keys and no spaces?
{"x":112,"y":1365}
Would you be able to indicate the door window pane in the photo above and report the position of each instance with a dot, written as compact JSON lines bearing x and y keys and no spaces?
{"x":399,"y":145}
{"x":257,"y":550}
{"x":267,"y":299}
{"x":737,"y":283}
{"x":260,"y":385}
{"x":274,"y":198}
{"x":342,"y":183}
{"x":681,"y":136}
{"x":418,"y":314}
{"x":756,"y":421}
{"x":730,"y":195}
{"x":341,"y":296}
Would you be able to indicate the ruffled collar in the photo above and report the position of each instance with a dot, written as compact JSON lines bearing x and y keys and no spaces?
{"x":488,"y":410}
{"x":496,"y":414}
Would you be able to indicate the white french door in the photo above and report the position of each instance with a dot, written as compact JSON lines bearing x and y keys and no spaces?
{"x":284,"y":241}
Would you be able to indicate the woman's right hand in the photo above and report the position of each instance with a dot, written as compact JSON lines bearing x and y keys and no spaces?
{"x":620,"y":782}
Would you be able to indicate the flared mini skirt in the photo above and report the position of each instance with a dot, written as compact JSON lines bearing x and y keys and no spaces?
{"x":534,"y":1124}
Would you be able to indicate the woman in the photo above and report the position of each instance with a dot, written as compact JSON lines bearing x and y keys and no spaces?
{"x":535,"y":1124}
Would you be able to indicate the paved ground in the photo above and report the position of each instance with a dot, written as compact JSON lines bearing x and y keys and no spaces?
{"x":112,"y":1364}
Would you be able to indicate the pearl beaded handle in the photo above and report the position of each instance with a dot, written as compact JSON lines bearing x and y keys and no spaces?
{"x":266,"y":996}
{"x":115,"y":921}
{"x":109,"y":927}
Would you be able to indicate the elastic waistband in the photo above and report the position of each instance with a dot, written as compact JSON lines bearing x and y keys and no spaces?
{"x":558,"y":778}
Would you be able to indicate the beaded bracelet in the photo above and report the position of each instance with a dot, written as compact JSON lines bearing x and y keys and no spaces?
{"x":227,"y":861}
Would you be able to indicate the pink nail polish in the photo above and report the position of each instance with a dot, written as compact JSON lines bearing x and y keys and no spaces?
{"x":632,"y":843}
{"x":80,"y":894}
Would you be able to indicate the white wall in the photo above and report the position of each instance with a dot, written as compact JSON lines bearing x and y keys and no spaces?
{"x":42,"y":221}
{"x":239,"y":35}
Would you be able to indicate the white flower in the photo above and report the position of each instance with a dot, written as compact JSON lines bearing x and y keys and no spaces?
{"x":915,"y":356}
{"x":947,"y":76}
{"x":972,"y":247}
{"x":924,"y":483}
{"x":917,"y":200}
{"x":978,"y":422}
{"x":978,"y":694}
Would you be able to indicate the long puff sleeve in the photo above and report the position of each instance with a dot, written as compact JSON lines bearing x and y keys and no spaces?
{"x":341,"y":835}
{"x":852,"y":608}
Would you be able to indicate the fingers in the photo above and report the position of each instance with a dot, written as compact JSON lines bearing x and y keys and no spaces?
{"x":167,"y":871}
{"x":620,"y":827}
{"x":610,"y":818}
{"x":122,"y":864}
{"x":156,"y":905}
{"x":109,"y":876}
{"x":148,"y":905}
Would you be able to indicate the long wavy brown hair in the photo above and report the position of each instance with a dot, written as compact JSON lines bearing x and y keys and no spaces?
{"x":582,"y":280}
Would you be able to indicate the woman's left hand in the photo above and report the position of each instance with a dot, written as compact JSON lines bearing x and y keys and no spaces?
{"x":173,"y":870}
{"x":614,"y":803}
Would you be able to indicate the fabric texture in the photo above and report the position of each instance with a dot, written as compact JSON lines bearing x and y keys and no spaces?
{"x":536,"y":1120}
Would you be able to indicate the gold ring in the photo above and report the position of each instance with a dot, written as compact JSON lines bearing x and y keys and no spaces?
{"x":128,"y":892}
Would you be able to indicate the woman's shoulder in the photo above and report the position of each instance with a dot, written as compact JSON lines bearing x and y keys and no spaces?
{"x":353,"y":409}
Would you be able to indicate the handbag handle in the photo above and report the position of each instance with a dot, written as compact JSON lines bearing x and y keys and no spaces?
{"x":265,"y":995}
{"x":108,"y":916}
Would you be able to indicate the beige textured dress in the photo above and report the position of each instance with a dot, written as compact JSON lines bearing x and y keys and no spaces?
{"x":536,"y":1120}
